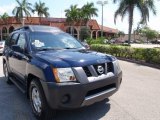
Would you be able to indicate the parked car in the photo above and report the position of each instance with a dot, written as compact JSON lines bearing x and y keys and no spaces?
{"x":126,"y":41}
{"x":56,"y":72}
{"x":112,"y":41}
{"x":137,"y":41}
{"x":2,"y":45}
{"x":155,"y":42}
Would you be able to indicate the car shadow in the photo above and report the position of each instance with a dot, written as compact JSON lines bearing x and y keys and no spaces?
{"x":92,"y":112}
{"x":16,"y":105}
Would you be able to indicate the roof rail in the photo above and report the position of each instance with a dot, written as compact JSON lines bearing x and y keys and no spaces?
{"x":23,"y":28}
{"x":38,"y":28}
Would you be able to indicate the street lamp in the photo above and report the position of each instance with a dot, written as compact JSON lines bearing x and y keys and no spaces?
{"x":102,"y":3}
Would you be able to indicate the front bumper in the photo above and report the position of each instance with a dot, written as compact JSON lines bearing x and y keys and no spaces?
{"x":75,"y":95}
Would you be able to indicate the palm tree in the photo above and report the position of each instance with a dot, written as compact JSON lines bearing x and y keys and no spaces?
{"x":88,"y":11}
{"x":80,"y":15}
{"x":72,"y":15}
{"x":23,"y":9}
{"x":4,"y":18}
{"x":128,"y":7}
{"x":41,"y":9}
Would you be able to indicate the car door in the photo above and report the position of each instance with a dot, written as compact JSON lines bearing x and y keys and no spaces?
{"x":10,"y":52}
{"x":19,"y":57}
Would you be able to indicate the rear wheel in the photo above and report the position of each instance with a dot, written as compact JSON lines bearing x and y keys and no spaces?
{"x":6,"y":73}
{"x":38,"y":102}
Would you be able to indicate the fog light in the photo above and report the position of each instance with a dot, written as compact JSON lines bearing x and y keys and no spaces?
{"x":65,"y":99}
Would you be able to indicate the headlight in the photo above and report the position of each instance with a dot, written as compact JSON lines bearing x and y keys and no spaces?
{"x":64,"y":74}
{"x":117,"y":66}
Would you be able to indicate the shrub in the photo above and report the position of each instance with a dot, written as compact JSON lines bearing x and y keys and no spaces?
{"x":149,"y":55}
{"x":96,"y":41}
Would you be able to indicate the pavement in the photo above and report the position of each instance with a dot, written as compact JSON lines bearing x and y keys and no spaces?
{"x":145,"y":45}
{"x":137,"y":99}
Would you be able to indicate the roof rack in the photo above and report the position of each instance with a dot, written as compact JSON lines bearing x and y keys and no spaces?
{"x":23,"y":28}
{"x":39,"y":28}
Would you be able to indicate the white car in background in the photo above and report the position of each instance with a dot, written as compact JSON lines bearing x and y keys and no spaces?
{"x":2,"y":45}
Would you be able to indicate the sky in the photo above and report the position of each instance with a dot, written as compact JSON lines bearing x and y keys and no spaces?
{"x":57,"y":7}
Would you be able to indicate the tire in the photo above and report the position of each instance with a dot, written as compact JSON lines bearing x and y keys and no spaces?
{"x":38,"y":102}
{"x":6,"y":73}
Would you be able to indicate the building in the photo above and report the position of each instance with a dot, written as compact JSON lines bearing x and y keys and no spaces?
{"x":134,"y":38}
{"x":108,"y":32}
{"x":95,"y":30}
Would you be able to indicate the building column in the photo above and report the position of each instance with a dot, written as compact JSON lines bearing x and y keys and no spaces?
{"x":78,"y":35}
{"x":92,"y":34}
{"x":97,"y":34}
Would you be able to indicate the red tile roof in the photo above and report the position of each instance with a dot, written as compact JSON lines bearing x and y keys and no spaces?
{"x":108,"y":29}
{"x":58,"y":22}
{"x":54,"y":19}
{"x":59,"y":25}
{"x":94,"y":24}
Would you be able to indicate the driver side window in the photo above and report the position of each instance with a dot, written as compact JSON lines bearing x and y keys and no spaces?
{"x":13,"y":39}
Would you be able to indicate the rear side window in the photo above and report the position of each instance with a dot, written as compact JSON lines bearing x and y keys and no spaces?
{"x":13,"y":39}
{"x":21,"y":41}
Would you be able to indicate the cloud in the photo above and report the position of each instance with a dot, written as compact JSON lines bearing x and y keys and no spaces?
{"x":35,"y":14}
{"x":7,"y":8}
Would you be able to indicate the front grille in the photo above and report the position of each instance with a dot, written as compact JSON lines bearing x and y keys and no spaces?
{"x":98,"y":69}
{"x":99,"y":90}
{"x":110,"y":67}
{"x":86,"y":70}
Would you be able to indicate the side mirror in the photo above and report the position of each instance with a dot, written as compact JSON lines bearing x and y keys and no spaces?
{"x":16,"y":48}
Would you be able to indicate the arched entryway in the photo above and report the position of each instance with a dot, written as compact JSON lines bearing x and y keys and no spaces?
{"x":94,"y":34}
{"x":11,"y":29}
{"x":4,"y":33}
{"x":72,"y":31}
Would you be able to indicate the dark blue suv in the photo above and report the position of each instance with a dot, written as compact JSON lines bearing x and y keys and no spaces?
{"x":56,"y":71}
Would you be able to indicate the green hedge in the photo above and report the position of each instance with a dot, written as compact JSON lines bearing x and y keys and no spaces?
{"x":149,"y":55}
{"x":99,"y":40}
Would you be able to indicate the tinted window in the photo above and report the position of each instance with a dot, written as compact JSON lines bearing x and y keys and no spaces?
{"x":13,"y":39}
{"x":21,"y":41}
{"x":40,"y":40}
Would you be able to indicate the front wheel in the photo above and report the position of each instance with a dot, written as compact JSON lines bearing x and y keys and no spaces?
{"x":6,"y":73}
{"x":38,"y":102}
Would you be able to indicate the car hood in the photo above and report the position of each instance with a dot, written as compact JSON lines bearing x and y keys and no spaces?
{"x":72,"y":58}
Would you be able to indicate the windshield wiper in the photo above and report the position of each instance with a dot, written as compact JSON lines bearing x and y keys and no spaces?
{"x":69,"y":48}
{"x":45,"y":49}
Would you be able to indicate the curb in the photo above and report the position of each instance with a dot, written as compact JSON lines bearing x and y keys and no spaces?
{"x":140,"y":62}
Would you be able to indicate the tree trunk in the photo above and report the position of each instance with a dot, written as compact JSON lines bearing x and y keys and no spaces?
{"x":72,"y":30}
{"x":80,"y":26}
{"x":40,"y":18}
{"x":131,"y":8}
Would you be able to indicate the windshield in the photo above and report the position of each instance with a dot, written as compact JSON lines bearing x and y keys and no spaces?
{"x":45,"y":41}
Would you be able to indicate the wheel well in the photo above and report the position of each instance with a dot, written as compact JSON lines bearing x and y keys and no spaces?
{"x":29,"y":79}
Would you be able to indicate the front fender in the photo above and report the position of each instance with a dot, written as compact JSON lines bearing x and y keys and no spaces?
{"x":41,"y":70}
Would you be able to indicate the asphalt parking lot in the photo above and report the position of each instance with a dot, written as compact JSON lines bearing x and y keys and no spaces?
{"x":137,"y":99}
